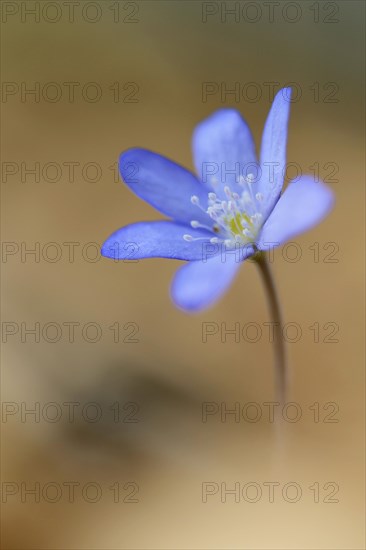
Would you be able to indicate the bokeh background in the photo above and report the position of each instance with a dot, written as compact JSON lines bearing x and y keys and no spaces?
{"x":161,"y":53}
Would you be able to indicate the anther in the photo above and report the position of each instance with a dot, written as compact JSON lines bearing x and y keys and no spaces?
{"x":227,"y":191}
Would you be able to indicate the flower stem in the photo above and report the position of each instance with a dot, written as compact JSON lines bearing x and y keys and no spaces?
{"x":275,"y":311}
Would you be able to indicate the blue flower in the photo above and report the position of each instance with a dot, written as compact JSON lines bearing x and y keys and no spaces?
{"x":231,"y":210}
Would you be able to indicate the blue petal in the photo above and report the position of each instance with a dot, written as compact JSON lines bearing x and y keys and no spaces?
{"x":165,"y":185}
{"x":160,"y":239}
{"x":273,"y":151}
{"x":198,"y":285}
{"x":223,"y":143}
{"x":304,"y":204}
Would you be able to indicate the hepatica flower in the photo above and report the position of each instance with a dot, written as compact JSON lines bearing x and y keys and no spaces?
{"x":231,"y":210}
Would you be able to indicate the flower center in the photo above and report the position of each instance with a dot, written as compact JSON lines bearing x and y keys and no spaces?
{"x":237,"y":220}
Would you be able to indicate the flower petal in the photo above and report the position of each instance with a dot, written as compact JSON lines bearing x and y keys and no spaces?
{"x":198,"y":285}
{"x":165,"y":185}
{"x":273,"y":151}
{"x":223,"y":143}
{"x":160,"y":239}
{"x":304,"y":203}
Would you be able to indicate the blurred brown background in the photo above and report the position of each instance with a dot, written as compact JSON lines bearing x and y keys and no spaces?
{"x":161,"y":54}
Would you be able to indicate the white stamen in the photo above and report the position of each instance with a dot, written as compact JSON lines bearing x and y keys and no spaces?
{"x":236,"y":215}
{"x":227,"y":192}
{"x":195,"y":224}
{"x":257,"y":217}
{"x":212,"y":213}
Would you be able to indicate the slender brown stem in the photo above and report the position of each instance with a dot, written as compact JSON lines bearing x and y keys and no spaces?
{"x":275,"y":311}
